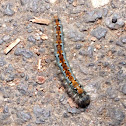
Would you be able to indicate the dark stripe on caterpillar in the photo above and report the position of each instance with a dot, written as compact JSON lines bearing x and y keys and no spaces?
{"x":74,"y":89}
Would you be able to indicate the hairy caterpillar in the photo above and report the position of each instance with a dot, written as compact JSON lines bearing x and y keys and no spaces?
{"x":74,"y":89}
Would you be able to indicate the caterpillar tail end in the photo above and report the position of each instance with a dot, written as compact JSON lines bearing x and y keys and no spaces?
{"x":84,"y":101}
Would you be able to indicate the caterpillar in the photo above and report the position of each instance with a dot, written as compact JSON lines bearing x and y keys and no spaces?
{"x":74,"y":89}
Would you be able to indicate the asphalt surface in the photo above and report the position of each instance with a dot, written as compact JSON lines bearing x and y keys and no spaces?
{"x":95,"y":44}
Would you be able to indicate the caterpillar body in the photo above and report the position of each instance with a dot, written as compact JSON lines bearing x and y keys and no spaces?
{"x":74,"y":89}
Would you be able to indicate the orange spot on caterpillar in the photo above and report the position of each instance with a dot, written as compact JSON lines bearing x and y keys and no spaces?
{"x":80,"y":90}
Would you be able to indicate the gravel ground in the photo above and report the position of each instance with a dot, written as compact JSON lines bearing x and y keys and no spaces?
{"x":96,"y":48}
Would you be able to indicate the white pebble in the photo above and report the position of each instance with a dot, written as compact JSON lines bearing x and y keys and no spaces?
{"x":99,"y":3}
{"x":52,"y":1}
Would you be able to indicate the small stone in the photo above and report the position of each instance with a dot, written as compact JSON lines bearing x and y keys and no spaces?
{"x":47,"y":1}
{"x":92,"y":16}
{"x":65,"y":115}
{"x":31,"y":39}
{"x":23,"y":116}
{"x":78,"y":46}
{"x":30,"y":30}
{"x":10,"y":78}
{"x":122,"y":63}
{"x":70,"y":1}
{"x":2,"y":62}
{"x":116,"y":25}
{"x":99,"y":3}
{"x":38,"y":111}
{"x":40,"y":79}
{"x":23,"y":88}
{"x":1,"y":41}
{"x":121,"y":53}
{"x":73,"y":110}
{"x":26,"y":78}
{"x":90,"y":51}
{"x":102,"y":73}
{"x":41,"y":114}
{"x":53,"y":1}
{"x":5,"y":110}
{"x":113,"y":50}
{"x":44,"y":37}
{"x":119,"y":43}
{"x":111,"y":93}
{"x":9,"y":69}
{"x":91,"y":65}
{"x":6,"y":38}
{"x":114,"y":20}
{"x":22,"y":2}
{"x":47,"y":6}
{"x":124,"y":89}
{"x":99,"y":32}
{"x":117,"y":116}
{"x":40,"y":120}
{"x":93,"y":39}
{"x":22,"y":75}
{"x":24,"y":52}
{"x":98,"y":46}
{"x":29,"y":125}
{"x":107,"y":82}
{"x":2,"y":77}
{"x":105,"y":64}
{"x":112,"y":5}
{"x":76,"y":36}
{"x":8,"y":11}
{"x":4,"y":116}
{"x":83,"y":52}
{"x":105,"y":12}
{"x":123,"y":40}
{"x":111,"y":41}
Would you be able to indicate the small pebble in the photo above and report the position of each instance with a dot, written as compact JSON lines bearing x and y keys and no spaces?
{"x":70,"y":1}
{"x":123,"y":40}
{"x":65,"y":115}
{"x":99,"y":32}
{"x":5,"y":110}
{"x":10,"y":78}
{"x":124,"y":89}
{"x":76,"y":36}
{"x":73,"y":110}
{"x":41,"y":114}
{"x":83,"y":53}
{"x":40,"y":79}
{"x":78,"y":46}
{"x":24,"y":116}
{"x":22,"y":75}
{"x":90,"y":51}
{"x":23,"y":89}
{"x":31,"y":39}
{"x":98,"y":47}
{"x":6,"y":38}
{"x":24,"y":52}
{"x":8,"y":11}
{"x":92,"y":16}
{"x":99,"y":3}
{"x":114,"y":20}
{"x":26,"y":78}
{"x":114,"y":26}
{"x":1,"y":41}
{"x":2,"y":62}
{"x":117,"y":116}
